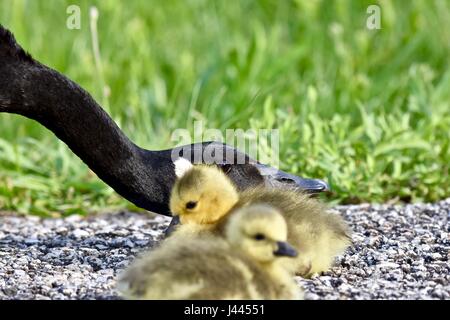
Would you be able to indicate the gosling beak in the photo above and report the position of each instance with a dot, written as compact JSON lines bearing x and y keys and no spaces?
{"x":172,"y":226}
{"x":277,"y":178}
{"x":285,"y":250}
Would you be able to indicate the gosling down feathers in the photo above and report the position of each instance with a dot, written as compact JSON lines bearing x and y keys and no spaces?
{"x":247,"y":263}
{"x":204,"y":198}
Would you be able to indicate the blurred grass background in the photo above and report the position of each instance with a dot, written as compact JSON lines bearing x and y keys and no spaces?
{"x":366,"y":110}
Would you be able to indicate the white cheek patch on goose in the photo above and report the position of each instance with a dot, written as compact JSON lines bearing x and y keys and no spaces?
{"x":182,"y":166}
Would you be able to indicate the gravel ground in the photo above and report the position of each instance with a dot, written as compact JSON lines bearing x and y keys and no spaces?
{"x":399,"y":252}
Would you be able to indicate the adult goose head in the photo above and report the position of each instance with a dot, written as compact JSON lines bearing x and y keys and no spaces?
{"x":144,"y":177}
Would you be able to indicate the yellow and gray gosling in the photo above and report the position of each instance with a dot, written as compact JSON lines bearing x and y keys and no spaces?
{"x":318,"y":235}
{"x":204,"y":198}
{"x":200,"y":199}
{"x":246,"y":264}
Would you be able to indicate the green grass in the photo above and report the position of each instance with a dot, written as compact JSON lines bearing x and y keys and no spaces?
{"x":368,"y":111}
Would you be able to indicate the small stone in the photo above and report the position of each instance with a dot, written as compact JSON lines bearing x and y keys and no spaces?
{"x":20,"y":273}
{"x":79,"y":233}
{"x":31,"y":241}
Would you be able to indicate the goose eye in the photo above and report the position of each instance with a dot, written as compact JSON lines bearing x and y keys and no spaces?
{"x":259,"y":236}
{"x":191,"y":205}
{"x":226,"y":168}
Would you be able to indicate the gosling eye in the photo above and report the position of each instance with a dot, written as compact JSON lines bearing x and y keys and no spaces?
{"x":191,"y":205}
{"x":259,"y":236}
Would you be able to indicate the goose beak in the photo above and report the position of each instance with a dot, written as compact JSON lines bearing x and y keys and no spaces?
{"x":285,"y":250}
{"x":172,"y":226}
{"x":277,"y":178}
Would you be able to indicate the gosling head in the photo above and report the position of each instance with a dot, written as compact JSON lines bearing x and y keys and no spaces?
{"x":202,"y":195}
{"x":261,"y":232}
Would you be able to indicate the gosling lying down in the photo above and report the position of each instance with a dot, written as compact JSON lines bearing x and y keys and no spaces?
{"x":203,"y":199}
{"x":246,"y":264}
